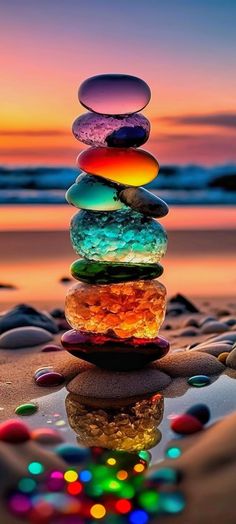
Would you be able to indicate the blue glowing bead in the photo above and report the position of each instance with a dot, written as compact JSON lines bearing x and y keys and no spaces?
{"x":72,"y":454}
{"x":172,"y":503}
{"x":138,"y":516}
{"x":85,"y":475}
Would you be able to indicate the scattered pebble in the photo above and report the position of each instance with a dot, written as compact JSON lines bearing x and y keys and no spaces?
{"x":223,"y":357}
{"x":215,"y":348}
{"x":214,"y":327}
{"x":24,"y":315}
{"x":26,"y":409}
{"x":188,"y":332}
{"x":72,"y":454}
{"x":191,"y":321}
{"x":14,"y":432}
{"x":23,"y":337}
{"x":51,"y":348}
{"x":199,"y":381}
{"x":186,"y":424}
{"x":230,"y":336}
{"x":50,"y":379}
{"x":200,"y":411}
{"x":42,"y":371}
{"x":231,"y":359}
{"x":46,"y":436}
{"x":187,"y":363}
{"x":205,"y":320}
{"x":229,"y":320}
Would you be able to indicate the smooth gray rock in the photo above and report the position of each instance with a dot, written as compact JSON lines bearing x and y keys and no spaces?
{"x":23,"y":337}
{"x":214,"y":349}
{"x":231,"y":359}
{"x":188,"y":363}
{"x":214,"y":326}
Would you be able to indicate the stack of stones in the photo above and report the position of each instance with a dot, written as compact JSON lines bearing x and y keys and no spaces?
{"x":118,"y":306}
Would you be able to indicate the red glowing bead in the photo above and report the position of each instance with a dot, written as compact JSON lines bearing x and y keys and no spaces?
{"x":123,"y":506}
{"x":74,"y":488}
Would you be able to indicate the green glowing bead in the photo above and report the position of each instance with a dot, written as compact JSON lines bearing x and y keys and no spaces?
{"x":172,"y":503}
{"x":145,"y":455}
{"x":105,"y":272}
{"x":26,"y":409}
{"x":127,"y":491}
{"x":26,"y":485}
{"x":149,"y":500}
{"x":94,"y":193}
{"x":35,"y":468}
{"x":173,"y":453}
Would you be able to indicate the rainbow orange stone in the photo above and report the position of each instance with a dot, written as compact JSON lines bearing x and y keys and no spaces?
{"x":129,"y":309}
{"x":129,"y":166}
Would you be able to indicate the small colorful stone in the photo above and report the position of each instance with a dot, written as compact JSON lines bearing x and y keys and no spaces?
{"x":164,"y":476}
{"x":26,"y":409}
{"x":46,"y":436}
{"x":50,"y":379}
{"x":223,"y":356}
{"x":42,"y":371}
{"x":199,"y":381}
{"x":128,"y":309}
{"x":172,"y":503}
{"x":107,"y":273}
{"x":94,"y":193}
{"x":72,"y":454}
{"x":111,"y":131}
{"x":186,"y":424}
{"x":123,"y":236}
{"x":114,"y":94}
{"x":132,"y":167}
{"x":49,"y":348}
{"x":144,"y":202}
{"x":14,"y":432}
{"x":200,"y":411}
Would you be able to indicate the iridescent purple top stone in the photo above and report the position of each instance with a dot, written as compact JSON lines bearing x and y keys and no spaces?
{"x":114,"y":94}
{"x":111,"y":131}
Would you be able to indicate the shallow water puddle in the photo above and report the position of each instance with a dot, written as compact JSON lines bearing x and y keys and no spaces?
{"x":219,"y":396}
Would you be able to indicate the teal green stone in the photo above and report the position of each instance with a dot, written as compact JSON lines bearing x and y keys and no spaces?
{"x":106,"y":272}
{"x":94,"y":193}
{"x":172,"y":503}
{"x":123,"y":236}
{"x":199,"y":381}
{"x":26,"y":409}
{"x":164,"y":476}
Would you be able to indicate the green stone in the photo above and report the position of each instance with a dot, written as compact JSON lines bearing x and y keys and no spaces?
{"x":93,"y":193}
{"x":199,"y":381}
{"x":94,"y":272}
{"x":26,"y":409}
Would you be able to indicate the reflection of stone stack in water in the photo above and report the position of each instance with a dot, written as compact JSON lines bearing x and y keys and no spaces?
{"x":118,"y":306}
{"x":130,"y":427}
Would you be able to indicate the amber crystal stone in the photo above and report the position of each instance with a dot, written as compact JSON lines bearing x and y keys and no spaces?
{"x":128,"y":309}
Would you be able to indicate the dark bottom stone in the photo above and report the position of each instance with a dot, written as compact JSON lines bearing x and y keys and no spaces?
{"x":114,"y":354}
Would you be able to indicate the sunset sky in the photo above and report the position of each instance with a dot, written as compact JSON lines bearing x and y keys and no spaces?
{"x":184,"y":49}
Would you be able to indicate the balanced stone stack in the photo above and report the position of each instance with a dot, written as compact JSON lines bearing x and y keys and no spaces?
{"x":118,"y":306}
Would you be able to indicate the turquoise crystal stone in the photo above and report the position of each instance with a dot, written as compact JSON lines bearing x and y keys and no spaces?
{"x":94,"y":193}
{"x":105,"y":272}
{"x":123,"y":236}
